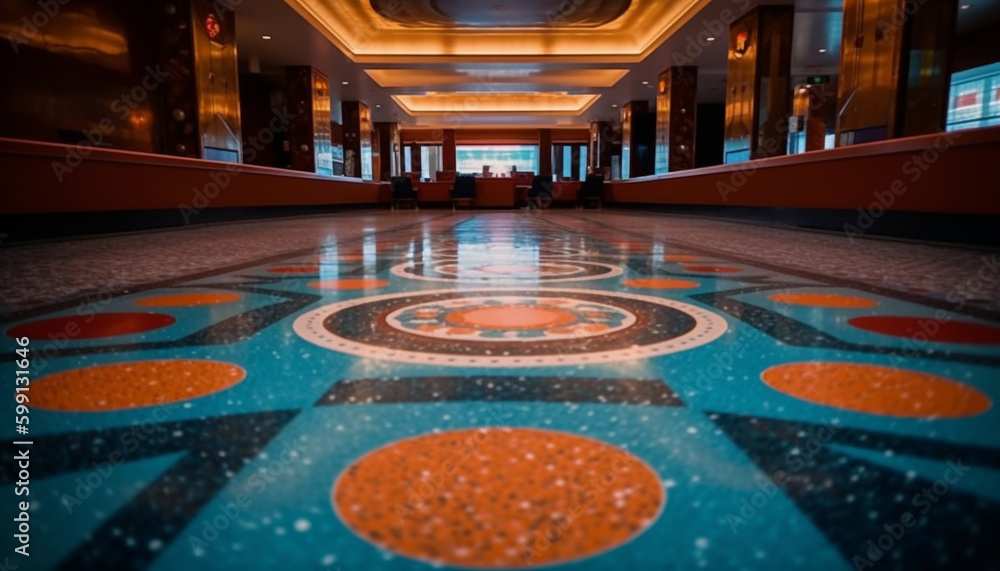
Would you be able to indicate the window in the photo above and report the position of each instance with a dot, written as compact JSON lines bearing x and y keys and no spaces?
{"x":430,"y":161}
{"x":974,"y":100}
{"x":563,"y":156}
{"x":501,"y":159}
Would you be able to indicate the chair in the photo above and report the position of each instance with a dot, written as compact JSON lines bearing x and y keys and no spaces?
{"x":415,"y":177}
{"x":445,"y":176}
{"x":540,"y":193}
{"x":402,"y":191}
{"x":592,"y":190}
{"x":522,"y":178}
{"x":464,"y":190}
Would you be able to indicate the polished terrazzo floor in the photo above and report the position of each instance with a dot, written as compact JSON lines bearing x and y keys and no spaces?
{"x":585,"y":390}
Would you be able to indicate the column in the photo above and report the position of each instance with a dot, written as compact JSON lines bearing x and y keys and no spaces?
{"x":197,"y":42}
{"x":638,"y":139}
{"x":545,"y":152}
{"x":676,"y":112}
{"x":821,"y":114}
{"x":389,"y":149}
{"x":415,"y":160}
{"x":448,"y":160}
{"x":602,"y":137}
{"x":574,"y":162}
{"x":758,"y":85}
{"x":894,"y":68}
{"x":309,"y":131}
{"x":357,"y":120}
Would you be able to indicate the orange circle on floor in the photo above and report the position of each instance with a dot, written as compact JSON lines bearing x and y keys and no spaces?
{"x":349,"y":284}
{"x":713,"y":269}
{"x":188,"y":299}
{"x":680,"y":258}
{"x":498,"y":497}
{"x":294,"y":269}
{"x":506,"y":269}
{"x":96,"y":326}
{"x":511,"y":317}
{"x":823,"y":300}
{"x":633,"y":246}
{"x":660,"y":283}
{"x":137,"y":384}
{"x":874,"y":389}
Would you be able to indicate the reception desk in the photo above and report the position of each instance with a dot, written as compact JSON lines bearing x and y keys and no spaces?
{"x":495,"y":192}
{"x":565,"y":191}
{"x":434,"y":192}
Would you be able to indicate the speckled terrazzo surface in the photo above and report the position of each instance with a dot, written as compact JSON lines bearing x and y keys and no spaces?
{"x":52,"y":271}
{"x":576,"y":390}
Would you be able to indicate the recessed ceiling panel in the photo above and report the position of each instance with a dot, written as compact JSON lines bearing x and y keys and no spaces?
{"x":504,"y":77}
{"x":501,"y":13}
{"x":395,"y":32}
{"x":460,"y":104}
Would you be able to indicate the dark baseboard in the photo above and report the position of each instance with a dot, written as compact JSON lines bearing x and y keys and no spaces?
{"x":966,"y":229}
{"x":22,"y":227}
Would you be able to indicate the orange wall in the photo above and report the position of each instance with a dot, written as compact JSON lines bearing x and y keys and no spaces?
{"x":108,"y":180}
{"x":949,"y":173}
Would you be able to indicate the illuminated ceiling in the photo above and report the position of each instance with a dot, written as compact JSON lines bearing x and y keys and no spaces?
{"x":397,"y":35}
{"x":495,"y":103}
{"x":585,"y":53}
{"x":506,"y":13}
{"x":513,"y":78}
{"x":540,"y":60}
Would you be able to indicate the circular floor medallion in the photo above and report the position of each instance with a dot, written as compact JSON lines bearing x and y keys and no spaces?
{"x":510,"y":318}
{"x":509,"y":327}
{"x":492,"y":498}
{"x":507,"y":271}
